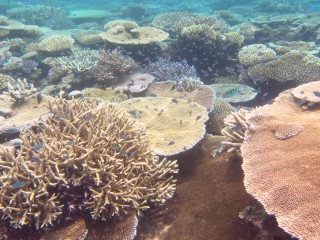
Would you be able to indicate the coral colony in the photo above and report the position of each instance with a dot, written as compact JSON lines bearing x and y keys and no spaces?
{"x":159,"y":120}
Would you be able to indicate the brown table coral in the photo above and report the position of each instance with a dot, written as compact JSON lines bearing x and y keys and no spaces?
{"x":281,"y":164}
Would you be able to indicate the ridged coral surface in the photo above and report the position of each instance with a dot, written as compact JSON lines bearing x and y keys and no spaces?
{"x":281,"y":164}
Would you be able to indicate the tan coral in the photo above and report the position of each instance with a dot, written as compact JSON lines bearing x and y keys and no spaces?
{"x":56,"y":43}
{"x":127,"y":25}
{"x":298,"y":67}
{"x":75,"y":230}
{"x":172,"y":125}
{"x":135,"y":36}
{"x":95,"y":147}
{"x":221,"y":109}
{"x":107,"y":95}
{"x":235,"y":37}
{"x":4,"y":80}
{"x":22,"y":115}
{"x":256,"y":53}
{"x":204,"y":96}
{"x":134,"y":83}
{"x":283,"y":174}
{"x":308,"y":92}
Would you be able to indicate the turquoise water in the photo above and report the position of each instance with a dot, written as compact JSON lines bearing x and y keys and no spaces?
{"x":127,"y":119}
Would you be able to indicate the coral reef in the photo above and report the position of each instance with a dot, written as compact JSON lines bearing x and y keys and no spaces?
{"x":111,"y":65}
{"x":107,"y":95}
{"x":134,"y":83}
{"x":142,"y":43}
{"x":80,"y":62}
{"x":209,"y":50}
{"x":221,"y":109}
{"x":166,"y":70}
{"x":234,"y":93}
{"x":172,"y":125}
{"x":5,"y":80}
{"x":256,"y":53}
{"x":174,"y":22}
{"x":21,"y":90}
{"x":284,"y":178}
{"x":203,"y":95}
{"x":69,"y":163}
{"x":56,"y":43}
{"x":297,"y":67}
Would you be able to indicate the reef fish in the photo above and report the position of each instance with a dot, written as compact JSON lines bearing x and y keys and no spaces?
{"x":18,"y":185}
{"x":232,"y":92}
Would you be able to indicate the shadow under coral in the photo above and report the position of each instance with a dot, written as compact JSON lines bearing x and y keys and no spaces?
{"x":209,"y":197}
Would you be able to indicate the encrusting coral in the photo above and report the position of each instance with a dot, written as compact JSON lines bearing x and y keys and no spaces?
{"x":85,"y":156}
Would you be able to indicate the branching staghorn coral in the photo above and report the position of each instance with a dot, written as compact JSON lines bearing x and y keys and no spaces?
{"x":81,"y":61}
{"x":236,"y":125}
{"x":85,"y":156}
{"x":21,"y":90}
{"x":112,"y":64}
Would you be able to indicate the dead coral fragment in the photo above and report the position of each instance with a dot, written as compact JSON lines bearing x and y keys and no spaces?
{"x":83,"y":146}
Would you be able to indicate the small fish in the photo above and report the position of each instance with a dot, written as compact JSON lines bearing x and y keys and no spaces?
{"x":65,"y":157}
{"x":115,"y":148}
{"x":123,"y":153}
{"x":38,"y":146}
{"x":180,"y":122}
{"x":133,"y":113}
{"x":316,"y":93}
{"x":36,"y":159}
{"x":132,"y":154}
{"x":230,"y":70}
{"x":18,"y":185}
{"x":88,"y":117}
{"x":300,"y":102}
{"x":197,"y":118}
{"x":124,"y":136}
{"x":190,"y":113}
{"x":232,"y":92}
{"x":161,"y":111}
{"x":171,"y":143}
{"x":173,"y":88}
{"x":70,"y":142}
{"x":174,"y":100}
{"x":152,"y":95}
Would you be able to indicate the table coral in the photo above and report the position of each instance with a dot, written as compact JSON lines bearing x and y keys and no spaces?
{"x":172,"y":125}
{"x":281,"y":164}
